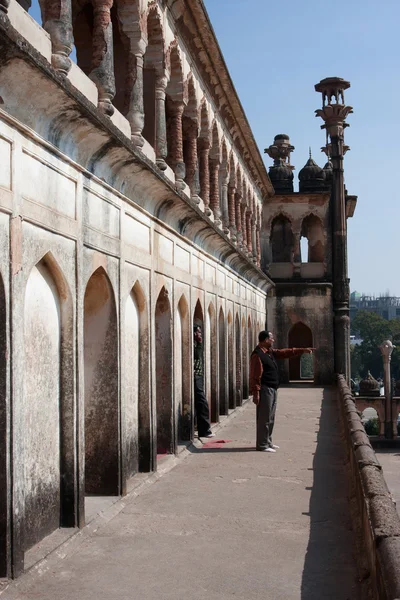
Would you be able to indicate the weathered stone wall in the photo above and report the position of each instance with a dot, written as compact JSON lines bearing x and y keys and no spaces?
{"x":293,"y":303}
{"x":100,"y":370}
{"x":378,"y":525}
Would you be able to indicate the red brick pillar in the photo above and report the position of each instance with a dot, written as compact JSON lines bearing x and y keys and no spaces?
{"x":190,"y":134}
{"x":175,"y":157}
{"x":244,"y":226}
{"x":238,"y":218}
{"x":214,"y":190}
{"x":232,"y":212}
{"x":204,"y":152}
{"x":161,"y":125}
{"x":248,"y":233}
{"x":135,"y":114}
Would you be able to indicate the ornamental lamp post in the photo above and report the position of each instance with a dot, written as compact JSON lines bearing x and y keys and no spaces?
{"x":334,"y":113}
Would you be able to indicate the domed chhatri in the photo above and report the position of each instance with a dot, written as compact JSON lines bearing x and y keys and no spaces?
{"x":281,"y":172}
{"x":311,"y":177}
{"x":369,"y":386}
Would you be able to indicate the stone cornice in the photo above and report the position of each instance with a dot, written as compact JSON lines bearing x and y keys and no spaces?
{"x":40,"y":99}
{"x":195,"y":28}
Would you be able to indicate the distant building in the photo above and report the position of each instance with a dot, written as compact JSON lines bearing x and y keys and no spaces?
{"x":387,"y":307}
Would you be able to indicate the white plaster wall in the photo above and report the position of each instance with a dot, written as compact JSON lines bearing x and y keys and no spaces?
{"x":41,"y":404}
{"x":131,"y":380}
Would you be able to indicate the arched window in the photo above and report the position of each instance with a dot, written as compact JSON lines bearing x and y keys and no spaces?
{"x":300,"y":336}
{"x":313,"y":231}
{"x":281,"y":239}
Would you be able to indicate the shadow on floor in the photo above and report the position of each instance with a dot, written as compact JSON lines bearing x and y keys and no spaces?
{"x":329,"y":567}
{"x":222,"y":449}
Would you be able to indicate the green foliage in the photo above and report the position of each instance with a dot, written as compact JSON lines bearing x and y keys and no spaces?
{"x":374,"y":329}
{"x":372,"y":426}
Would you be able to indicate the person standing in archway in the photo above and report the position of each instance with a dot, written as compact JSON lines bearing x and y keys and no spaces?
{"x":264,"y":384}
{"x":200,"y":400}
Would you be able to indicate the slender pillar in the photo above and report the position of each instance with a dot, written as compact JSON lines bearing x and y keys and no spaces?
{"x":253,"y":235}
{"x":190,"y":133}
{"x":214,"y":190}
{"x":258,"y":241}
{"x":386,"y":349}
{"x":175,"y":137}
{"x":334,"y":116}
{"x":58,"y":24}
{"x":238,"y":218}
{"x":243,"y":209}
{"x":135,"y":114}
{"x":224,"y":199}
{"x":204,"y":153}
{"x":102,"y":55}
{"x":161,"y":124}
{"x":232,"y":212}
{"x":249,"y":233}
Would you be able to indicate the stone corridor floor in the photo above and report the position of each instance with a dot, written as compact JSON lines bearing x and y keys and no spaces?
{"x":225,"y":523}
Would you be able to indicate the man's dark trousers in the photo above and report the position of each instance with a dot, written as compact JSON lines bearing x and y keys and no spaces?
{"x":201,"y":406}
{"x":266,"y":409}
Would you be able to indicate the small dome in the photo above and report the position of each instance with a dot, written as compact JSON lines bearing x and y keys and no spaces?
{"x":281,"y":136}
{"x":311,"y":177}
{"x":369,"y":386}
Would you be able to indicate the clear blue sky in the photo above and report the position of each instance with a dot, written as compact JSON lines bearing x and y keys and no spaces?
{"x":276,"y":52}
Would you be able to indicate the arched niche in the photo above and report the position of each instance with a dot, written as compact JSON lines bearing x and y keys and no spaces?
{"x":102,"y":465}
{"x":48,"y":389}
{"x":223,"y":397}
{"x":281,"y":240}
{"x":245,"y":360}
{"x":183,"y":380}
{"x":300,"y":336}
{"x":164,"y":392}
{"x":238,"y":360}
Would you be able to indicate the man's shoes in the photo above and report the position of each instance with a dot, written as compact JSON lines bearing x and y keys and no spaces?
{"x":274,"y":447}
{"x":209,"y":435}
{"x":268,"y":450}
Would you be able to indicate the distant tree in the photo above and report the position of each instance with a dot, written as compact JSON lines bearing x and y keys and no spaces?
{"x":373,"y":330}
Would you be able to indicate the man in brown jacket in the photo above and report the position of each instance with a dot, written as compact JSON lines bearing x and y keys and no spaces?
{"x":264,"y":384}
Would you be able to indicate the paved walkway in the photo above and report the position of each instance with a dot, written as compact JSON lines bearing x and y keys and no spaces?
{"x":227,"y":523}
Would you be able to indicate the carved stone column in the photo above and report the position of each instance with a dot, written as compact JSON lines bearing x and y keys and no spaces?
{"x":135,"y":113}
{"x":204,"y":153}
{"x":243,"y":209}
{"x":231,"y":212}
{"x":249,"y":233}
{"x":57,"y":21}
{"x":296,"y":255}
{"x":253,"y":237}
{"x":224,"y":199}
{"x":258,"y":245}
{"x":386,"y":349}
{"x":238,"y":217}
{"x":161,"y":125}
{"x":176,"y":142}
{"x":190,"y":134}
{"x":102,"y":55}
{"x":214,"y":190}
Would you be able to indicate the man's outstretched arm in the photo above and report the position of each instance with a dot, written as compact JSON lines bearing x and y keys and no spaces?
{"x":290,"y":352}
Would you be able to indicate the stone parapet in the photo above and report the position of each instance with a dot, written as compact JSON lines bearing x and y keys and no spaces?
{"x":378,"y":521}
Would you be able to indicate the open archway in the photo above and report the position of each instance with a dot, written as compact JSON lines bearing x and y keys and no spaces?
{"x":238,"y":359}
{"x":245,"y":360}
{"x":164,"y":402}
{"x":300,"y":336}
{"x":281,"y":239}
{"x":223,"y":398}
{"x":231,"y":389}
{"x":102,"y":466}
{"x":211,"y":363}
{"x":183,"y":404}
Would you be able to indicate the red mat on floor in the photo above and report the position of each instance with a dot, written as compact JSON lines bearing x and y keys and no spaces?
{"x":216,"y":443}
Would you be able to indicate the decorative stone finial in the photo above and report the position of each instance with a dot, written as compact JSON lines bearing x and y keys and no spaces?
{"x":369,"y":386}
